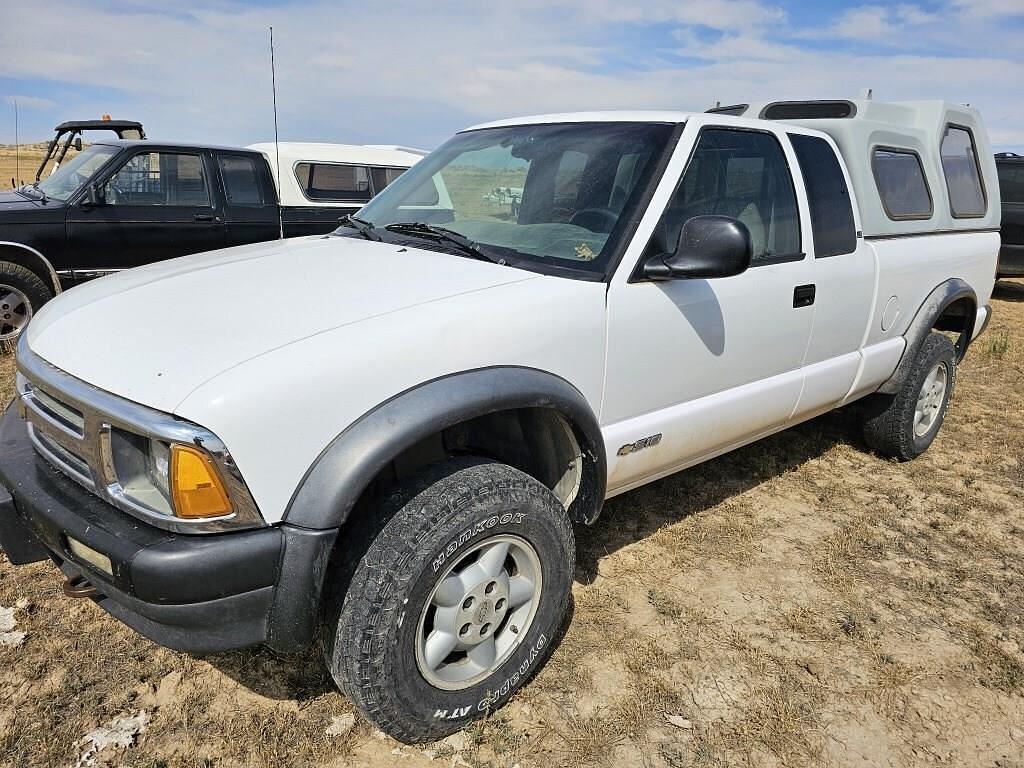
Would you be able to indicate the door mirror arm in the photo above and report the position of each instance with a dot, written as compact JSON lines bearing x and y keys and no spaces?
{"x":708,"y":247}
{"x":93,"y":196}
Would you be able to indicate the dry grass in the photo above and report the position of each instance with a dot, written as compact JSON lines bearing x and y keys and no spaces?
{"x":22,"y":169}
{"x":799,"y":603}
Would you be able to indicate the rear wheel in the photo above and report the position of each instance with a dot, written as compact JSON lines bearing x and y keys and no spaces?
{"x":904,"y":425}
{"x":462,"y":587}
{"x":22,"y":293}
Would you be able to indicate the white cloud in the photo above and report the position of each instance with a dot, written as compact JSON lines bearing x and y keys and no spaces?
{"x":404,"y":72}
{"x":990,"y":7}
{"x":29,"y":102}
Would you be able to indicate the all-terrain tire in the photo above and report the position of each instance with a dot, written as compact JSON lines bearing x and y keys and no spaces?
{"x":378,"y":597}
{"x":35,"y":292}
{"x":893,"y":425}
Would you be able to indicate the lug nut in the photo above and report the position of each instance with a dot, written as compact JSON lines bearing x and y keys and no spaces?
{"x":491,"y":587}
{"x":467,"y":603}
{"x":500,"y":604}
{"x":465,"y":630}
{"x":485,"y":629}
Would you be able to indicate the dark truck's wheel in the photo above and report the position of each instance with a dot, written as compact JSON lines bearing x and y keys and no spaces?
{"x":902,"y":426}
{"x":22,"y":293}
{"x":456,"y":601}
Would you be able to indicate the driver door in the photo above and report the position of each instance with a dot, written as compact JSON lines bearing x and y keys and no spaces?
{"x":159,"y":204}
{"x":698,"y":366}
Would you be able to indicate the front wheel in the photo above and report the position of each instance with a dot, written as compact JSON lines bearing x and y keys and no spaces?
{"x":456,"y":601}
{"x":22,"y":294}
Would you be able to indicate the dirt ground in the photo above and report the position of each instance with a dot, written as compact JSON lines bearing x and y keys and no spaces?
{"x":797,"y":603}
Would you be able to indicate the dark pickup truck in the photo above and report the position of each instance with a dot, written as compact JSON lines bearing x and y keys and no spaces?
{"x":119,"y":204}
{"x":1011,"y":190}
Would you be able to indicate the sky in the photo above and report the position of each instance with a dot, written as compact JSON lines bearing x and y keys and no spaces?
{"x":413,"y":73}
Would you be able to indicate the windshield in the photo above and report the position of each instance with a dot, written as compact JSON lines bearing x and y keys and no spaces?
{"x":557,"y":194}
{"x":73,"y":173}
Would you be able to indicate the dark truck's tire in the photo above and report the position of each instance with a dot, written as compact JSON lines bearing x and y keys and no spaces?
{"x":902,"y":426}
{"x":22,"y":294}
{"x":453,"y":518}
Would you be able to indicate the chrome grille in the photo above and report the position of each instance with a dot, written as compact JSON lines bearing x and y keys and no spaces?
{"x":58,"y":411}
{"x":62,"y":458}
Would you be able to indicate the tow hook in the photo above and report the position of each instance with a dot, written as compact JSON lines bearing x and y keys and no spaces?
{"x":79,"y":586}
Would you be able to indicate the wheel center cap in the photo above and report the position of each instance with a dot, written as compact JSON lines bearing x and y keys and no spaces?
{"x":484,"y":612}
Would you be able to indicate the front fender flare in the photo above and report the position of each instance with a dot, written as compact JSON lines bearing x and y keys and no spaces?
{"x":333,"y":485}
{"x":35,"y":261}
{"x":927,"y":315}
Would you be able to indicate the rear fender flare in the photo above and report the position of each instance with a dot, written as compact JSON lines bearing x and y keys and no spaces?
{"x":938,"y":301}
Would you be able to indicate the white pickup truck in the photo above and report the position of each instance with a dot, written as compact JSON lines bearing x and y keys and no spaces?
{"x":395,"y":463}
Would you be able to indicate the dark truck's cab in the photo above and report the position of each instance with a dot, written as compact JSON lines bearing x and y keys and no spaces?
{"x":1011,"y":190}
{"x":120,"y":204}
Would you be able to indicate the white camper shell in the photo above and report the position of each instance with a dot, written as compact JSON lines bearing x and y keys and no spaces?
{"x":944,"y":140}
{"x":371,"y":168}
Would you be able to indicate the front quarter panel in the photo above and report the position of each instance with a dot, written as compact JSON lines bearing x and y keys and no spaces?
{"x":276,"y":413}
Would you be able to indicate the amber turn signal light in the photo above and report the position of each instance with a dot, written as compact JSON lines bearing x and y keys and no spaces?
{"x":196,"y":487}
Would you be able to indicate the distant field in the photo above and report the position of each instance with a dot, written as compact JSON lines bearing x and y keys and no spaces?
{"x":10,"y":165}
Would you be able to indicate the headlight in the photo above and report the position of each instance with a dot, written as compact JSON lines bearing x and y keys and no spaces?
{"x":167,"y":478}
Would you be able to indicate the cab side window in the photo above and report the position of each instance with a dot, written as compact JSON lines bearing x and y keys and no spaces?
{"x":743,"y":175}
{"x":1011,"y":182}
{"x":241,"y":180}
{"x":827,"y":195}
{"x":160,"y":178}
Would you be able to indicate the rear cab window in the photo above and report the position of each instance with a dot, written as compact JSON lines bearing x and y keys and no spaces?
{"x":901,"y":183}
{"x":832,"y":222}
{"x":963,"y":179}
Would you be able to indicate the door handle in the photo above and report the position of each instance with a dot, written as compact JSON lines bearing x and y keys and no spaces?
{"x":803,"y":295}
{"x":200,"y":217}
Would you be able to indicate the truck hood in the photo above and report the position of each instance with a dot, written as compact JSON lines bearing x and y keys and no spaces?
{"x":12,"y":201}
{"x":155,"y":334}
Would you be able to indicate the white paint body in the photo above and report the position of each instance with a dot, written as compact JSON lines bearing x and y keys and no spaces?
{"x":709,"y":364}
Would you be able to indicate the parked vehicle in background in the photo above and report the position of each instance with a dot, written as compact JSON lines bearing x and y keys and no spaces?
{"x":1011,"y":191}
{"x":319,"y":182}
{"x":68,"y":135}
{"x":394,"y":463}
{"x":119,"y":204}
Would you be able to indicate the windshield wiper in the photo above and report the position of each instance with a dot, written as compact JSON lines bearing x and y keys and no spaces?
{"x":364,"y":228}
{"x":26,"y":188}
{"x":460,"y":241}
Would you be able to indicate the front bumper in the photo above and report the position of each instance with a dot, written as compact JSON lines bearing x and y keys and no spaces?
{"x":196,"y":593}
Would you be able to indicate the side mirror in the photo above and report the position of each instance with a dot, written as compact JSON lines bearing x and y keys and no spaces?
{"x":78,"y":144}
{"x":708,"y":247}
{"x":94,"y":196}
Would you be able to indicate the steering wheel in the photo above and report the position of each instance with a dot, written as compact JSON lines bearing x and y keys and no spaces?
{"x":595,"y":219}
{"x":112,"y":195}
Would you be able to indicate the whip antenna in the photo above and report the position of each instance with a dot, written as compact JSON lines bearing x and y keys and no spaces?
{"x":277,"y":141}
{"x":17,"y":148}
